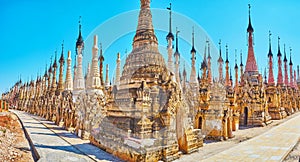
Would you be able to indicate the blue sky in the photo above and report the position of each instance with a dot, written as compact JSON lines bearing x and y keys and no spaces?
{"x":32,"y":30}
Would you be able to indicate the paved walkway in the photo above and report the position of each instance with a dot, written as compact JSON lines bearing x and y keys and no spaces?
{"x":272,"y":145}
{"x":56,"y":144}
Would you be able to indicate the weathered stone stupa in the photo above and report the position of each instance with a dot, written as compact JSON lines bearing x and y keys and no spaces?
{"x":142,"y":121}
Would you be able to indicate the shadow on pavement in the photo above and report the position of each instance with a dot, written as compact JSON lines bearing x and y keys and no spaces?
{"x":92,"y":151}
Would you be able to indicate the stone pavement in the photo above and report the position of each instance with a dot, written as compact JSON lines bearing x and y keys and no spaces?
{"x":272,"y":145}
{"x":56,"y":144}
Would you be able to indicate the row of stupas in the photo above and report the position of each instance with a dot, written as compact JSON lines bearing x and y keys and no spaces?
{"x":152,"y":111}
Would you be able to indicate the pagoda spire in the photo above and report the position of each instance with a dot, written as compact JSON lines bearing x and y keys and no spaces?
{"x":265,"y":75}
{"x":79,"y":83}
{"x":79,"y":80}
{"x":118,"y":70}
{"x":87,"y":77}
{"x":270,"y":55}
{"x":176,"y":51}
{"x":37,"y":86}
{"x":270,"y":46}
{"x":50,"y":75}
{"x":144,"y":48}
{"x":170,"y":39}
{"x":184,"y":79}
{"x":220,"y":61}
{"x":251,"y":66}
{"x":250,"y":28}
{"x":241,"y":67}
{"x":54,"y":85}
{"x":209,"y":72}
{"x":170,"y":34}
{"x":74,"y":68}
{"x":61,"y":69}
{"x":291,"y":63}
{"x":205,"y":51}
{"x":279,"y":78}
{"x":236,"y":68}
{"x":101,"y":59}
{"x":204,"y":67}
{"x":227,"y":81}
{"x":193,"y":68}
{"x":107,"y":76}
{"x":69,"y":79}
{"x":208,"y":49}
{"x":227,"y":61}
{"x":230,"y":78}
{"x":177,"y":57}
{"x":55,"y":60}
{"x":46,"y":75}
{"x":193,"y":42}
{"x":203,"y":64}
{"x":95,"y":76}
{"x":291,"y":69}
{"x":79,"y":42}
{"x":235,"y":59}
{"x":44,"y":88}
{"x":286,"y":79}
{"x":145,"y":31}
